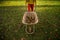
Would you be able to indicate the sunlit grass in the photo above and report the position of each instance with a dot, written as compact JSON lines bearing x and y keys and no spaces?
{"x":48,"y":3}
{"x":22,"y":3}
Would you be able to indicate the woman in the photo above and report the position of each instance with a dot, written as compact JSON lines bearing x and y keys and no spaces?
{"x":31,"y":4}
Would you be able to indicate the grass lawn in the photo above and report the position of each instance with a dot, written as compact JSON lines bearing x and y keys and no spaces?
{"x":11,"y":27}
{"x":22,"y":3}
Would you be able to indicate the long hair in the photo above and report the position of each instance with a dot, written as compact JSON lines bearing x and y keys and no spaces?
{"x":34,"y":0}
{"x":29,"y":0}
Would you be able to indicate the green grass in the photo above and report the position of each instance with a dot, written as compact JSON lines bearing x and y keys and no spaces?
{"x":22,"y":3}
{"x":47,"y":28}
